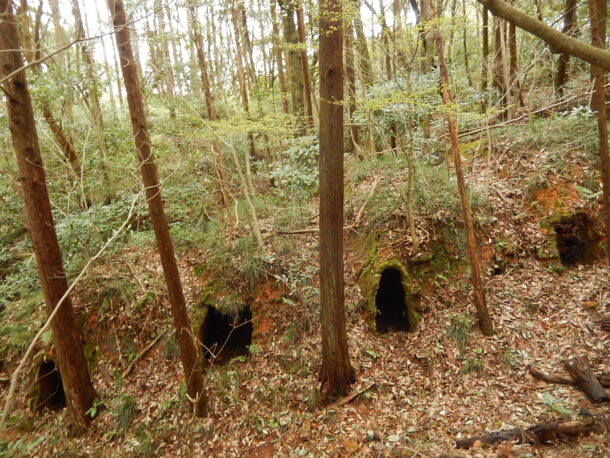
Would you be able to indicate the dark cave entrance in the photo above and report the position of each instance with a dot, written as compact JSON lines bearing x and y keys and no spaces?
{"x":225,"y":336}
{"x":390,"y":303}
{"x":50,"y":387}
{"x":575,"y":241}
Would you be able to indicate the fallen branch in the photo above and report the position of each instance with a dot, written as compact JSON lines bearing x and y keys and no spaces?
{"x":313,"y":230}
{"x":350,"y":397}
{"x":550,"y":378}
{"x":580,"y":375}
{"x":538,"y":434}
{"x":583,"y":376}
{"x":127,"y":371}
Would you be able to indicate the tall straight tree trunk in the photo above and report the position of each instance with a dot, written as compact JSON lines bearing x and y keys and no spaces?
{"x":189,"y":350}
{"x":598,"y":17}
{"x":93,"y":87}
{"x":479,"y":295}
{"x":295,"y":74}
{"x":79,"y":390}
{"x":336,"y":373}
{"x":107,"y":65}
{"x":350,"y":76}
{"x":485,"y":56}
{"x":279,"y":60}
{"x":305,"y":66}
{"x":465,"y":43}
{"x":196,"y":37}
{"x":385,"y":42}
{"x":426,"y":11}
{"x":569,"y":26}
{"x":64,"y":141}
{"x":165,"y":65}
{"x":366,"y":66}
{"x":246,"y":43}
{"x":243,"y":85}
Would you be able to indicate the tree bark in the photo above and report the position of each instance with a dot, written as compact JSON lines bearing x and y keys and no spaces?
{"x":64,"y":140}
{"x":243,"y":85}
{"x":479,"y":295}
{"x":79,"y":390}
{"x":350,"y":76}
{"x":279,"y":59}
{"x":583,"y":376}
{"x":366,"y":67}
{"x":305,"y":66}
{"x":560,"y":42}
{"x":485,"y":56}
{"x":209,"y":98}
{"x":189,"y":349}
{"x":165,"y":64}
{"x":295,"y":75}
{"x":336,"y":373}
{"x":93,"y":87}
{"x":569,"y":25}
{"x":537,"y":434}
{"x":597,"y":14}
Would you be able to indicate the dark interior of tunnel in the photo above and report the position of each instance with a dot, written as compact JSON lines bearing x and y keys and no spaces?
{"x":390,"y":303}
{"x":50,"y":387}
{"x":226,"y":336}
{"x":575,"y":240}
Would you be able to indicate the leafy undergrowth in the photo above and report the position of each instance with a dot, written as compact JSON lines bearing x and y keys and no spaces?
{"x":432,"y":386}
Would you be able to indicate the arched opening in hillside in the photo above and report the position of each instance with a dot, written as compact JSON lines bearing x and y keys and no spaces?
{"x":225,"y":336}
{"x":50,"y":387}
{"x":575,"y":241}
{"x":390,"y":303}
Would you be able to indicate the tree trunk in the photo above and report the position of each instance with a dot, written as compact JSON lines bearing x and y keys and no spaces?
{"x":279,"y":60}
{"x":189,"y":349}
{"x":93,"y":87}
{"x":569,"y":24}
{"x":385,"y":42}
{"x":295,"y":75}
{"x":597,"y":14}
{"x":559,"y":42}
{"x":465,"y":43}
{"x":366,"y":67}
{"x":64,"y":141}
{"x":243,"y":87}
{"x":479,"y":295}
{"x":79,"y":390}
{"x":537,"y":434}
{"x":485,"y":56}
{"x":305,"y":66}
{"x":336,"y":372}
{"x":165,"y":65}
{"x":209,"y":98}
{"x":350,"y":76}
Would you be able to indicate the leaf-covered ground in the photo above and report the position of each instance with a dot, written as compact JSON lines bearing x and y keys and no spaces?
{"x":442,"y":382}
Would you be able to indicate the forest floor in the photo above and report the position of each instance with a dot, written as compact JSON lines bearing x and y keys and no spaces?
{"x":430,"y":387}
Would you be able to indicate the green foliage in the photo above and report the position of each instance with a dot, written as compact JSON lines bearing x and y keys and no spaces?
{"x":460,"y":328}
{"x":561,"y":133}
{"x":472,"y":365}
{"x":555,"y":405}
{"x":124,"y":411}
{"x":295,"y":172}
{"x":21,"y":447}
